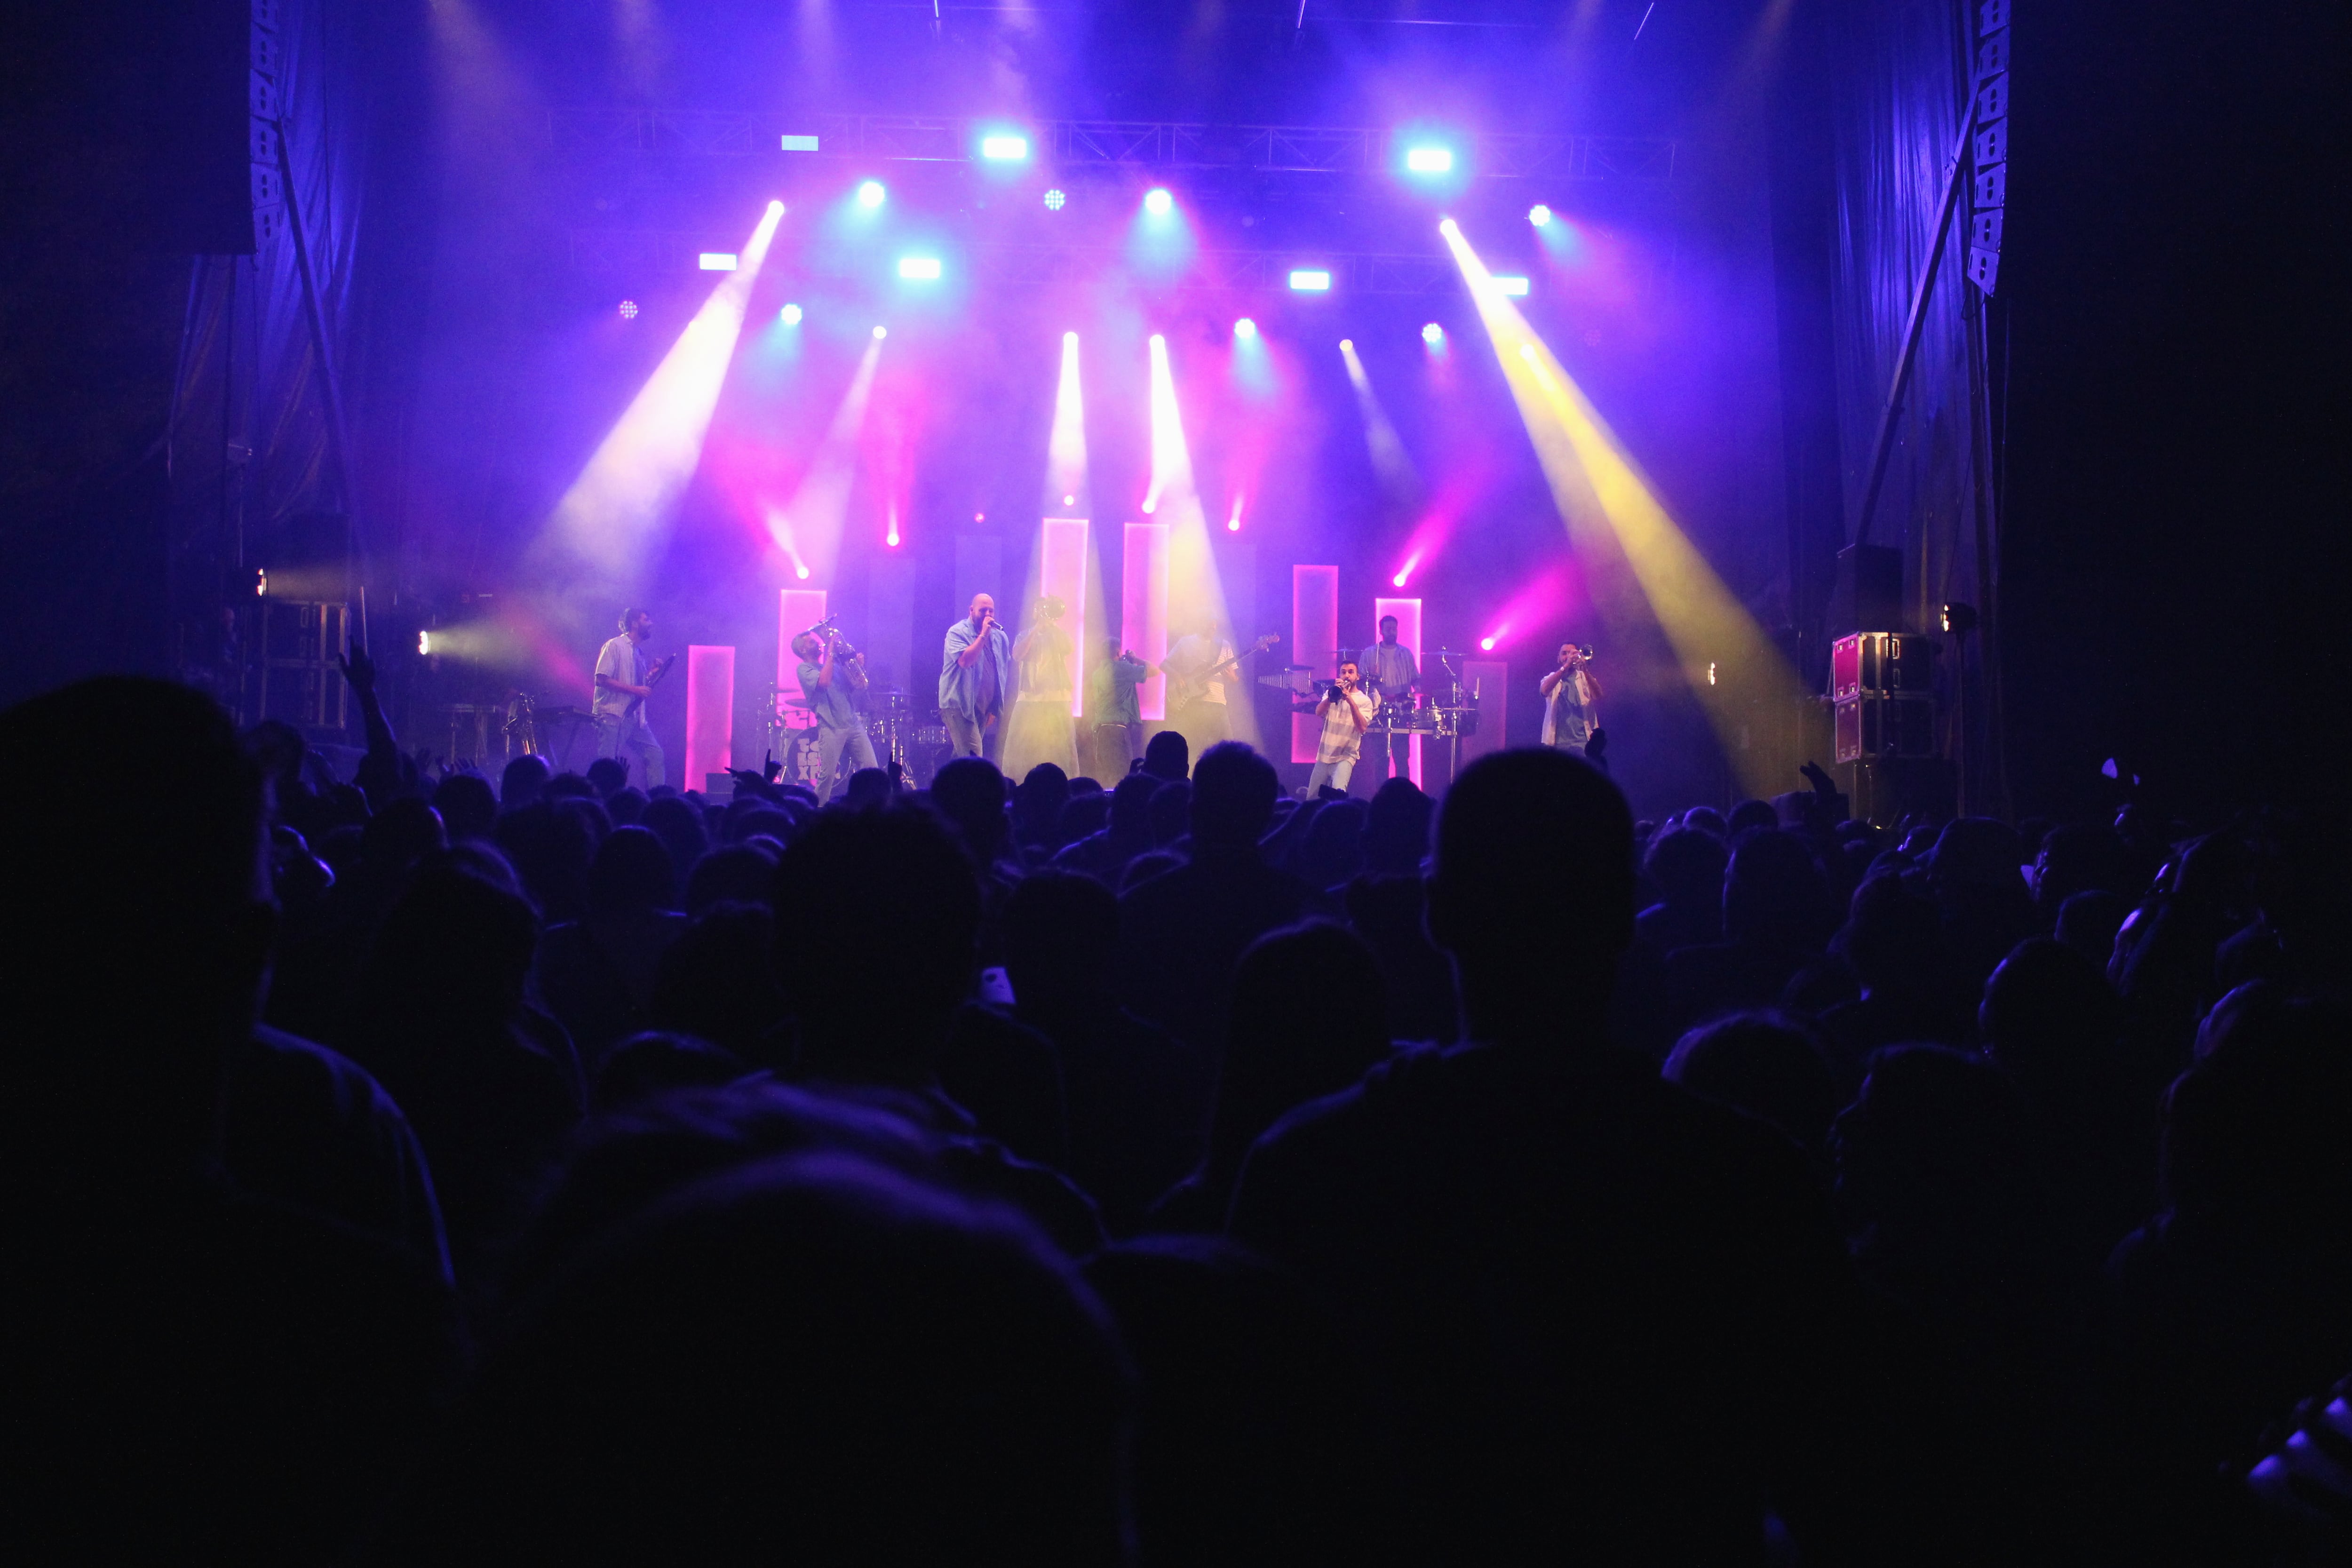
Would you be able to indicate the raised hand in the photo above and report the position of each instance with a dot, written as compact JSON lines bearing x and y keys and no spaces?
{"x":358,"y":668}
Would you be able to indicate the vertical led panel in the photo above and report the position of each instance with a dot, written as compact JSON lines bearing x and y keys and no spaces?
{"x":710,"y":712}
{"x":1143,"y":608}
{"x":1489,"y":680}
{"x":1408,"y":615}
{"x":887,"y":636}
{"x":1062,"y":573}
{"x":797,"y":609}
{"x":1314,"y":638}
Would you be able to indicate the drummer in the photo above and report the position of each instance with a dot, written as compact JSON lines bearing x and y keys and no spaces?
{"x":1393,"y":674}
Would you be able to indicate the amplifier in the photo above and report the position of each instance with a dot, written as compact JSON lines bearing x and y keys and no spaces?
{"x":1893,"y":663}
{"x":1872,"y":725}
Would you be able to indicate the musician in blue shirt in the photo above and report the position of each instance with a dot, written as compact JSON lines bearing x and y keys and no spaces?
{"x":975,"y":679}
{"x":832,"y":675}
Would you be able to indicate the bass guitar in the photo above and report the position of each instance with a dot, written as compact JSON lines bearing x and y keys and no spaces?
{"x":1187,"y":687}
{"x":653,"y":678}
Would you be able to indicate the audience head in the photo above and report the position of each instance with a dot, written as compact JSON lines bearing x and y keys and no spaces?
{"x":1687,"y":866}
{"x":632,"y":874}
{"x":2089,"y":857}
{"x":1167,"y":756}
{"x":1131,"y":805}
{"x":1893,"y":937}
{"x":1232,"y":797}
{"x":716,"y":982}
{"x":1534,"y":878}
{"x":970,"y":793}
{"x":1707,"y":820}
{"x":1061,"y":939}
{"x":868,"y":788}
{"x":145,"y":919}
{"x":1396,"y":831}
{"x":523,"y":780}
{"x":1773,"y":894}
{"x":679,"y":827}
{"x":2051,"y":1020}
{"x":2088,"y":923}
{"x":1750,"y":814}
{"x":1169,"y":812}
{"x":467,"y":808}
{"x":2254,"y":1132}
{"x":1332,"y":851}
{"x":877,"y":925}
{"x":608,"y":776}
{"x":645,"y":1066}
{"x":1308,"y":1018}
{"x":1037,"y":802}
{"x":811,"y":1355}
{"x":1770,"y":1065}
{"x":739,"y":874}
{"x":1938,"y":1143}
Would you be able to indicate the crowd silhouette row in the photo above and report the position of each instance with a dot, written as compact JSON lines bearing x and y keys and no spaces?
{"x":417,"y":1169}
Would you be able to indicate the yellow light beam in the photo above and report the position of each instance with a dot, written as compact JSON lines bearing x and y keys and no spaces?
{"x":1595,"y":482}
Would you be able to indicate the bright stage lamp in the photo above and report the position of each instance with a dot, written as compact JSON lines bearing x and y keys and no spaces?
{"x":1069,"y":500}
{"x":1539,"y":214}
{"x":1310,"y":280}
{"x":1004,"y":149}
{"x":1069,"y":337}
{"x":1398,"y":579}
{"x":1245,"y":328}
{"x":1486,"y":645}
{"x":628,"y":309}
{"x":792,"y":314}
{"x":801,"y":572}
{"x":1054,"y":200}
{"x":881,"y":332}
{"x":870,"y":194}
{"x":921,"y":268}
{"x":1515,"y":287}
{"x":1430,"y":159}
{"x":717,"y":261}
{"x":1448,"y":227}
{"x":1159,"y":204}
{"x":1433,"y":334}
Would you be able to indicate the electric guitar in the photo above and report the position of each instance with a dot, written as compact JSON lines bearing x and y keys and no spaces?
{"x":1188,"y":687}
{"x":653,"y":678}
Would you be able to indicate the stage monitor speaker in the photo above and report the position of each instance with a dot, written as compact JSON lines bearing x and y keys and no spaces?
{"x":1868,"y":596}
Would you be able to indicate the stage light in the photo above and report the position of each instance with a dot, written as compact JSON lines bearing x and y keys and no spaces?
{"x":1004,"y":149}
{"x":1159,"y":204}
{"x":870,"y":194}
{"x":1054,"y":199}
{"x":261,"y":584}
{"x":881,"y":332}
{"x":799,"y":144}
{"x":425,"y":642}
{"x":1069,"y":500}
{"x":1347,"y":345}
{"x":1515,"y":287}
{"x":1398,"y":579}
{"x":1404,"y":571}
{"x":792,"y":314}
{"x":1539,"y":214}
{"x":1245,"y":328}
{"x":1233,"y":524}
{"x":979,"y":517}
{"x":801,"y":572}
{"x":1069,"y":338}
{"x":1310,"y":280}
{"x":1430,"y":159}
{"x":1960,"y":619}
{"x":891,"y":538}
{"x":628,"y":309}
{"x":920,"y":268}
{"x":1448,"y":227}
{"x":717,"y":261}
{"x":1486,"y":645}
{"x":1433,"y":334}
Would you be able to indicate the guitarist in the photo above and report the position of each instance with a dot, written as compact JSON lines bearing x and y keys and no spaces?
{"x":624,"y":679}
{"x":1198,"y":669}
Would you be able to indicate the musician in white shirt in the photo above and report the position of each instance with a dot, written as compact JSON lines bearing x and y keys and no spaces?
{"x":1198,"y":667}
{"x":1345,"y":710}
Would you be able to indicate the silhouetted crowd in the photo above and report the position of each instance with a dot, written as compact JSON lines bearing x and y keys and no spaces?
{"x":411,"y":1170}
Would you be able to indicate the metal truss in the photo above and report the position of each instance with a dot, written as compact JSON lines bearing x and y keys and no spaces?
{"x":640,"y":251}
{"x":1072,"y":145}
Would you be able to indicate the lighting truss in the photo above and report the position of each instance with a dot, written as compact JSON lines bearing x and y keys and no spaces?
{"x":1102,"y":143}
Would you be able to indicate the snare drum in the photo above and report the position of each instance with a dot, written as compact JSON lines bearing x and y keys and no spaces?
{"x":933,"y":735}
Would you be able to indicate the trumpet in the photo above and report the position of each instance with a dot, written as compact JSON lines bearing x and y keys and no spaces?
{"x":827,"y":630}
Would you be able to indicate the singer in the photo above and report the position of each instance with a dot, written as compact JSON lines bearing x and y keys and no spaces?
{"x":1346,"y":709}
{"x":975,"y":675}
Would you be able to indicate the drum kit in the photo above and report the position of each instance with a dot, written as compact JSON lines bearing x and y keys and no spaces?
{"x":905,"y":731}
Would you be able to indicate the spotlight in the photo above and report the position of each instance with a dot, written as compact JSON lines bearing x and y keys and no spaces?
{"x":1710,"y":672}
{"x":1151,"y":505}
{"x":1347,"y":345}
{"x":1486,"y":645}
{"x":1310,"y":280}
{"x":799,"y":143}
{"x":425,"y":642}
{"x":1054,"y":200}
{"x":923,"y":268}
{"x":1397,"y":580}
{"x":1539,"y":214}
{"x":1004,"y":149}
{"x":870,"y":194}
{"x":1233,"y":524}
{"x":979,"y":517}
{"x":775,"y":209}
{"x":1960,"y":619}
{"x":1245,"y":328}
{"x":1158,"y":341}
{"x":1448,"y":227}
{"x":1516,"y":287}
{"x":628,"y":309}
{"x":801,"y":572}
{"x":1433,"y":335}
{"x":792,"y":315}
{"x":717,"y":261}
{"x":1069,"y":500}
{"x":1430,"y":159}
{"x":1159,"y":204}
{"x":1069,"y":337}
{"x":881,"y":332}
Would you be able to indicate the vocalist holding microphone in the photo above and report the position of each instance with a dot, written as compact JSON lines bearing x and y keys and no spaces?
{"x":832,"y":675}
{"x":975,"y":678}
{"x":1345,"y":710}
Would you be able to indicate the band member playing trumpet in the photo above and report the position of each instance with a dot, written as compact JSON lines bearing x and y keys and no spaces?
{"x":1345,"y":710}
{"x":1571,"y":700}
{"x":832,"y":675}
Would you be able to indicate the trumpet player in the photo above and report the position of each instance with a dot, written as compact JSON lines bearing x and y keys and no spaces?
{"x":832,"y":675}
